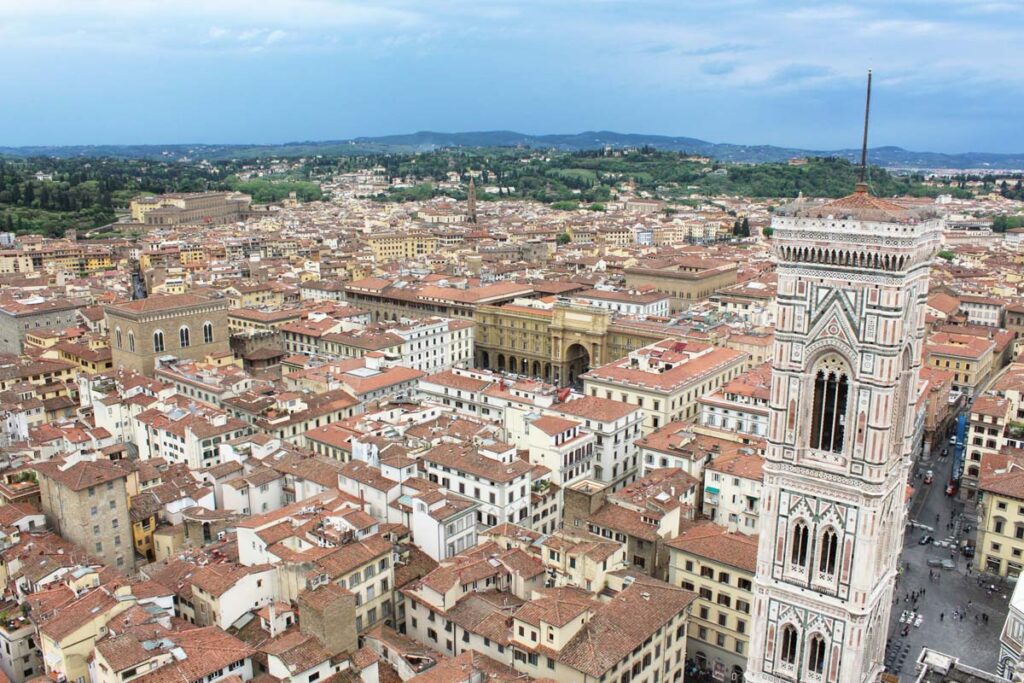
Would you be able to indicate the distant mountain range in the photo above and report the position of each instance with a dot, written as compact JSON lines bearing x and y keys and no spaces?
{"x":890,"y":157}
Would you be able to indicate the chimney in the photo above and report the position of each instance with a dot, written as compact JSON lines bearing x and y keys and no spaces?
{"x":272,"y":619}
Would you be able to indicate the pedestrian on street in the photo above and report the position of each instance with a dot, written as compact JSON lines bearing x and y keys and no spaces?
{"x":984,"y":617}
{"x":942,"y":616}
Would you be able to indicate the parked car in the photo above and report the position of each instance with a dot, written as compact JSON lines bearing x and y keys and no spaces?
{"x":968,"y":549}
{"x":948,"y":564}
{"x":951,"y":489}
{"x":925,"y":540}
{"x":935,"y":562}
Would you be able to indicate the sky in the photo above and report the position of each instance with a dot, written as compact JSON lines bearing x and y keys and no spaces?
{"x":948,"y":73}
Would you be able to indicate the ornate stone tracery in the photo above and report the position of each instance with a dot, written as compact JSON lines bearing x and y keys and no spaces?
{"x":848,"y":344}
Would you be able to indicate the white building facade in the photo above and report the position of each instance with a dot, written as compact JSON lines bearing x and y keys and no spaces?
{"x":852,"y":288}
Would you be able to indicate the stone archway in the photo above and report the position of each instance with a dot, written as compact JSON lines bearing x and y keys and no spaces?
{"x":577,"y":361}
{"x":501,"y":362}
{"x":485,"y":360}
{"x":536,"y":368}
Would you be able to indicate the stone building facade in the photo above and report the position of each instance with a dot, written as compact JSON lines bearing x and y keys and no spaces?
{"x":687,"y":280}
{"x":87,"y":504}
{"x":852,"y":290}
{"x":18,"y":318}
{"x":185,"y":326}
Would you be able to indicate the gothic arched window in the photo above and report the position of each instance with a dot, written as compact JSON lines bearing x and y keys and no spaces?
{"x":828,"y":416}
{"x":829,"y":551}
{"x":184,"y":336}
{"x":207,"y":332}
{"x":158,"y":341}
{"x":117,"y":336}
{"x":131,"y":341}
{"x":800,"y":542}
{"x":816,"y":655}
{"x":787,"y":654}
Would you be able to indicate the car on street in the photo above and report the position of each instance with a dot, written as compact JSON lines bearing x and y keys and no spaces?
{"x":951,"y":489}
{"x":929,"y":477}
{"x":948,"y":564}
{"x":935,"y":562}
{"x":925,"y":540}
{"x":968,"y":549}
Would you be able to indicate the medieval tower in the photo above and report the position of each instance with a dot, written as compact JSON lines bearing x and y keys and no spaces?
{"x":852,"y":285}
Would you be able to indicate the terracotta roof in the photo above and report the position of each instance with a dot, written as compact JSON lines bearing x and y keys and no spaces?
{"x":160,"y":303}
{"x":82,"y":474}
{"x":597,"y":408}
{"x":707,"y":539}
{"x":623,"y":624}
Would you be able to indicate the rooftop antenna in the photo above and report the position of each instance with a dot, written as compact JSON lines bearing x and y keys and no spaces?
{"x":862,"y":185}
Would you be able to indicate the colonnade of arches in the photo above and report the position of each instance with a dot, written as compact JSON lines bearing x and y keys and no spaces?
{"x":846,"y":257}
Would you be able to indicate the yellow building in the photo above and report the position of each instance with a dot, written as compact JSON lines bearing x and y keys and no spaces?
{"x":67,"y":640}
{"x":1000,"y":538}
{"x":392,"y":246}
{"x":556,"y":342}
{"x":719,"y":565}
{"x":687,"y":280}
{"x":168,"y":540}
{"x":15,"y":262}
{"x":665,"y":379}
{"x":969,"y":358}
{"x":92,"y":356}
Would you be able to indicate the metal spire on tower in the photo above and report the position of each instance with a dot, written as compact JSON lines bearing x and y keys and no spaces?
{"x":862,"y":183}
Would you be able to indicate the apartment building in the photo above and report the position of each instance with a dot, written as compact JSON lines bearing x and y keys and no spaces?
{"x":665,"y":379}
{"x":638,"y":635}
{"x":971,"y":359}
{"x":562,"y":446}
{"x":490,"y":474}
{"x":741,"y":405}
{"x":1000,"y":536}
{"x":635,"y":303}
{"x":641,"y":516}
{"x":185,"y":432}
{"x":443,"y":524}
{"x":732,"y":490}
{"x":616,"y":427}
{"x":577,"y":558}
{"x":719,"y":565}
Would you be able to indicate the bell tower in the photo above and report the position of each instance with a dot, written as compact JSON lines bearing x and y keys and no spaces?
{"x":852,"y":286}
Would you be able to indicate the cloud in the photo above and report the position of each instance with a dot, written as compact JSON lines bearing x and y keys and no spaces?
{"x":208,"y":24}
{"x":717,"y":68}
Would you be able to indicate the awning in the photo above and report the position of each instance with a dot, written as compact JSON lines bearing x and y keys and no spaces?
{"x":711,"y":489}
